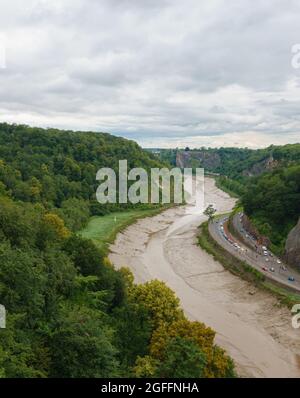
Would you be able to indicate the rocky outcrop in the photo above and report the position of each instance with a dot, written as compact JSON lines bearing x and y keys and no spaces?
{"x":292,"y":246}
{"x":205,"y":159}
{"x":249,"y":227}
{"x":264,"y":165}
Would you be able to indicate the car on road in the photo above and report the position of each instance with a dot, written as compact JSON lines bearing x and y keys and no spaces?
{"x":291,"y":279}
{"x":278,"y":262}
{"x":264,"y":248}
{"x":272,"y":269}
{"x":265,"y":269}
{"x":267,"y":260}
{"x":265,"y":253}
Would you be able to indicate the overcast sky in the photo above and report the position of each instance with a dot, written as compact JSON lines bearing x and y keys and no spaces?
{"x":162,"y":72}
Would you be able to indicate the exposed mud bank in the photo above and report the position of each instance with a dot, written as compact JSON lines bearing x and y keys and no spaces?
{"x":254,"y":330}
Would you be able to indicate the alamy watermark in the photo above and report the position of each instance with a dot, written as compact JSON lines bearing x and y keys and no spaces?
{"x":2,"y":317}
{"x":159,"y":186}
{"x":296,"y":318}
{"x":296,"y":56}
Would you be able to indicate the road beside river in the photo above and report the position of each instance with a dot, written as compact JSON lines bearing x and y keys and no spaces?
{"x":254,"y":330}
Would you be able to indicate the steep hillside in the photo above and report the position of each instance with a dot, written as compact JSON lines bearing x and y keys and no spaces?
{"x":70,"y":314}
{"x":235,"y":163}
{"x":292,"y":246}
{"x":272,"y":201}
{"x":58,"y":168}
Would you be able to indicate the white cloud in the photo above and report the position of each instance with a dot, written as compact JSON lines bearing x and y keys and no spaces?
{"x":161,"y":72}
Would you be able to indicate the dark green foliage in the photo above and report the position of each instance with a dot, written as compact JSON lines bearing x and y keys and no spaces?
{"x":75,"y":213}
{"x":183,"y":359}
{"x":273,"y":203}
{"x":58,"y":168}
{"x":68,"y":314}
{"x":133,"y":332}
{"x":22,"y":353}
{"x":22,"y":281}
{"x":86,"y":256}
{"x":233,"y":187}
{"x":81,"y":345}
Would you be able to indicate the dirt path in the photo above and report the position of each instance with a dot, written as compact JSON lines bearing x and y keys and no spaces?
{"x":254,"y":330}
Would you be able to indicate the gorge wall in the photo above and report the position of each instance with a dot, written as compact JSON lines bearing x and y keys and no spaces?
{"x":292,"y":246}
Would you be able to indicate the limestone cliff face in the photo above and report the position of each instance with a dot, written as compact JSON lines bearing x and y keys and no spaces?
{"x":204,"y":159}
{"x":292,"y":246}
{"x":267,"y":164}
{"x":211,"y":160}
{"x":249,"y":227}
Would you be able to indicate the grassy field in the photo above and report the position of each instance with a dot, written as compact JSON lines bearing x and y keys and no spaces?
{"x":103,"y":230}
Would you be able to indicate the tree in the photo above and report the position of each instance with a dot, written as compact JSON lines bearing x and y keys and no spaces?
{"x":146,"y":367}
{"x":218,"y":364}
{"x":81,"y":345}
{"x":209,"y":212}
{"x":86,"y":256}
{"x":61,"y":274}
{"x":90,"y":260}
{"x":159,"y":300}
{"x":183,"y":359}
{"x":133,"y":332}
{"x":75,"y":213}
{"x":56,"y":225}
{"x":22,"y":282}
{"x":70,"y":313}
{"x":19,"y":356}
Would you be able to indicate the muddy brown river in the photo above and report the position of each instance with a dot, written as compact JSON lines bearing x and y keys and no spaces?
{"x":250,"y":324}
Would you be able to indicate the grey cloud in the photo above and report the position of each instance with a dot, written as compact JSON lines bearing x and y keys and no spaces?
{"x":162,"y":69}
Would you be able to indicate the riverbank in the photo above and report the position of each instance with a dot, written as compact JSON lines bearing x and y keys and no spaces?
{"x":242,"y":269}
{"x":102,"y":230}
{"x":254,"y":330}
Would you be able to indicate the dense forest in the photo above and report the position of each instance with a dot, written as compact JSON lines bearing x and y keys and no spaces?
{"x":272,"y":201}
{"x":69,"y":312}
{"x":270,"y":194}
{"x":58,"y":169}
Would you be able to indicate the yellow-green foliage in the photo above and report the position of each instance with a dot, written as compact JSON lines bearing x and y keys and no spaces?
{"x":57,"y":225}
{"x":145,"y":367}
{"x":217,"y":361}
{"x":196,"y":331}
{"x":160,"y":300}
{"x":169,"y":322}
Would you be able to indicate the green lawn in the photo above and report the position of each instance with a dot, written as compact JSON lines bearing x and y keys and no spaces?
{"x":103,"y":230}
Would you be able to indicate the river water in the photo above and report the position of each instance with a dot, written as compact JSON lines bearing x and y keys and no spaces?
{"x":250,"y":324}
